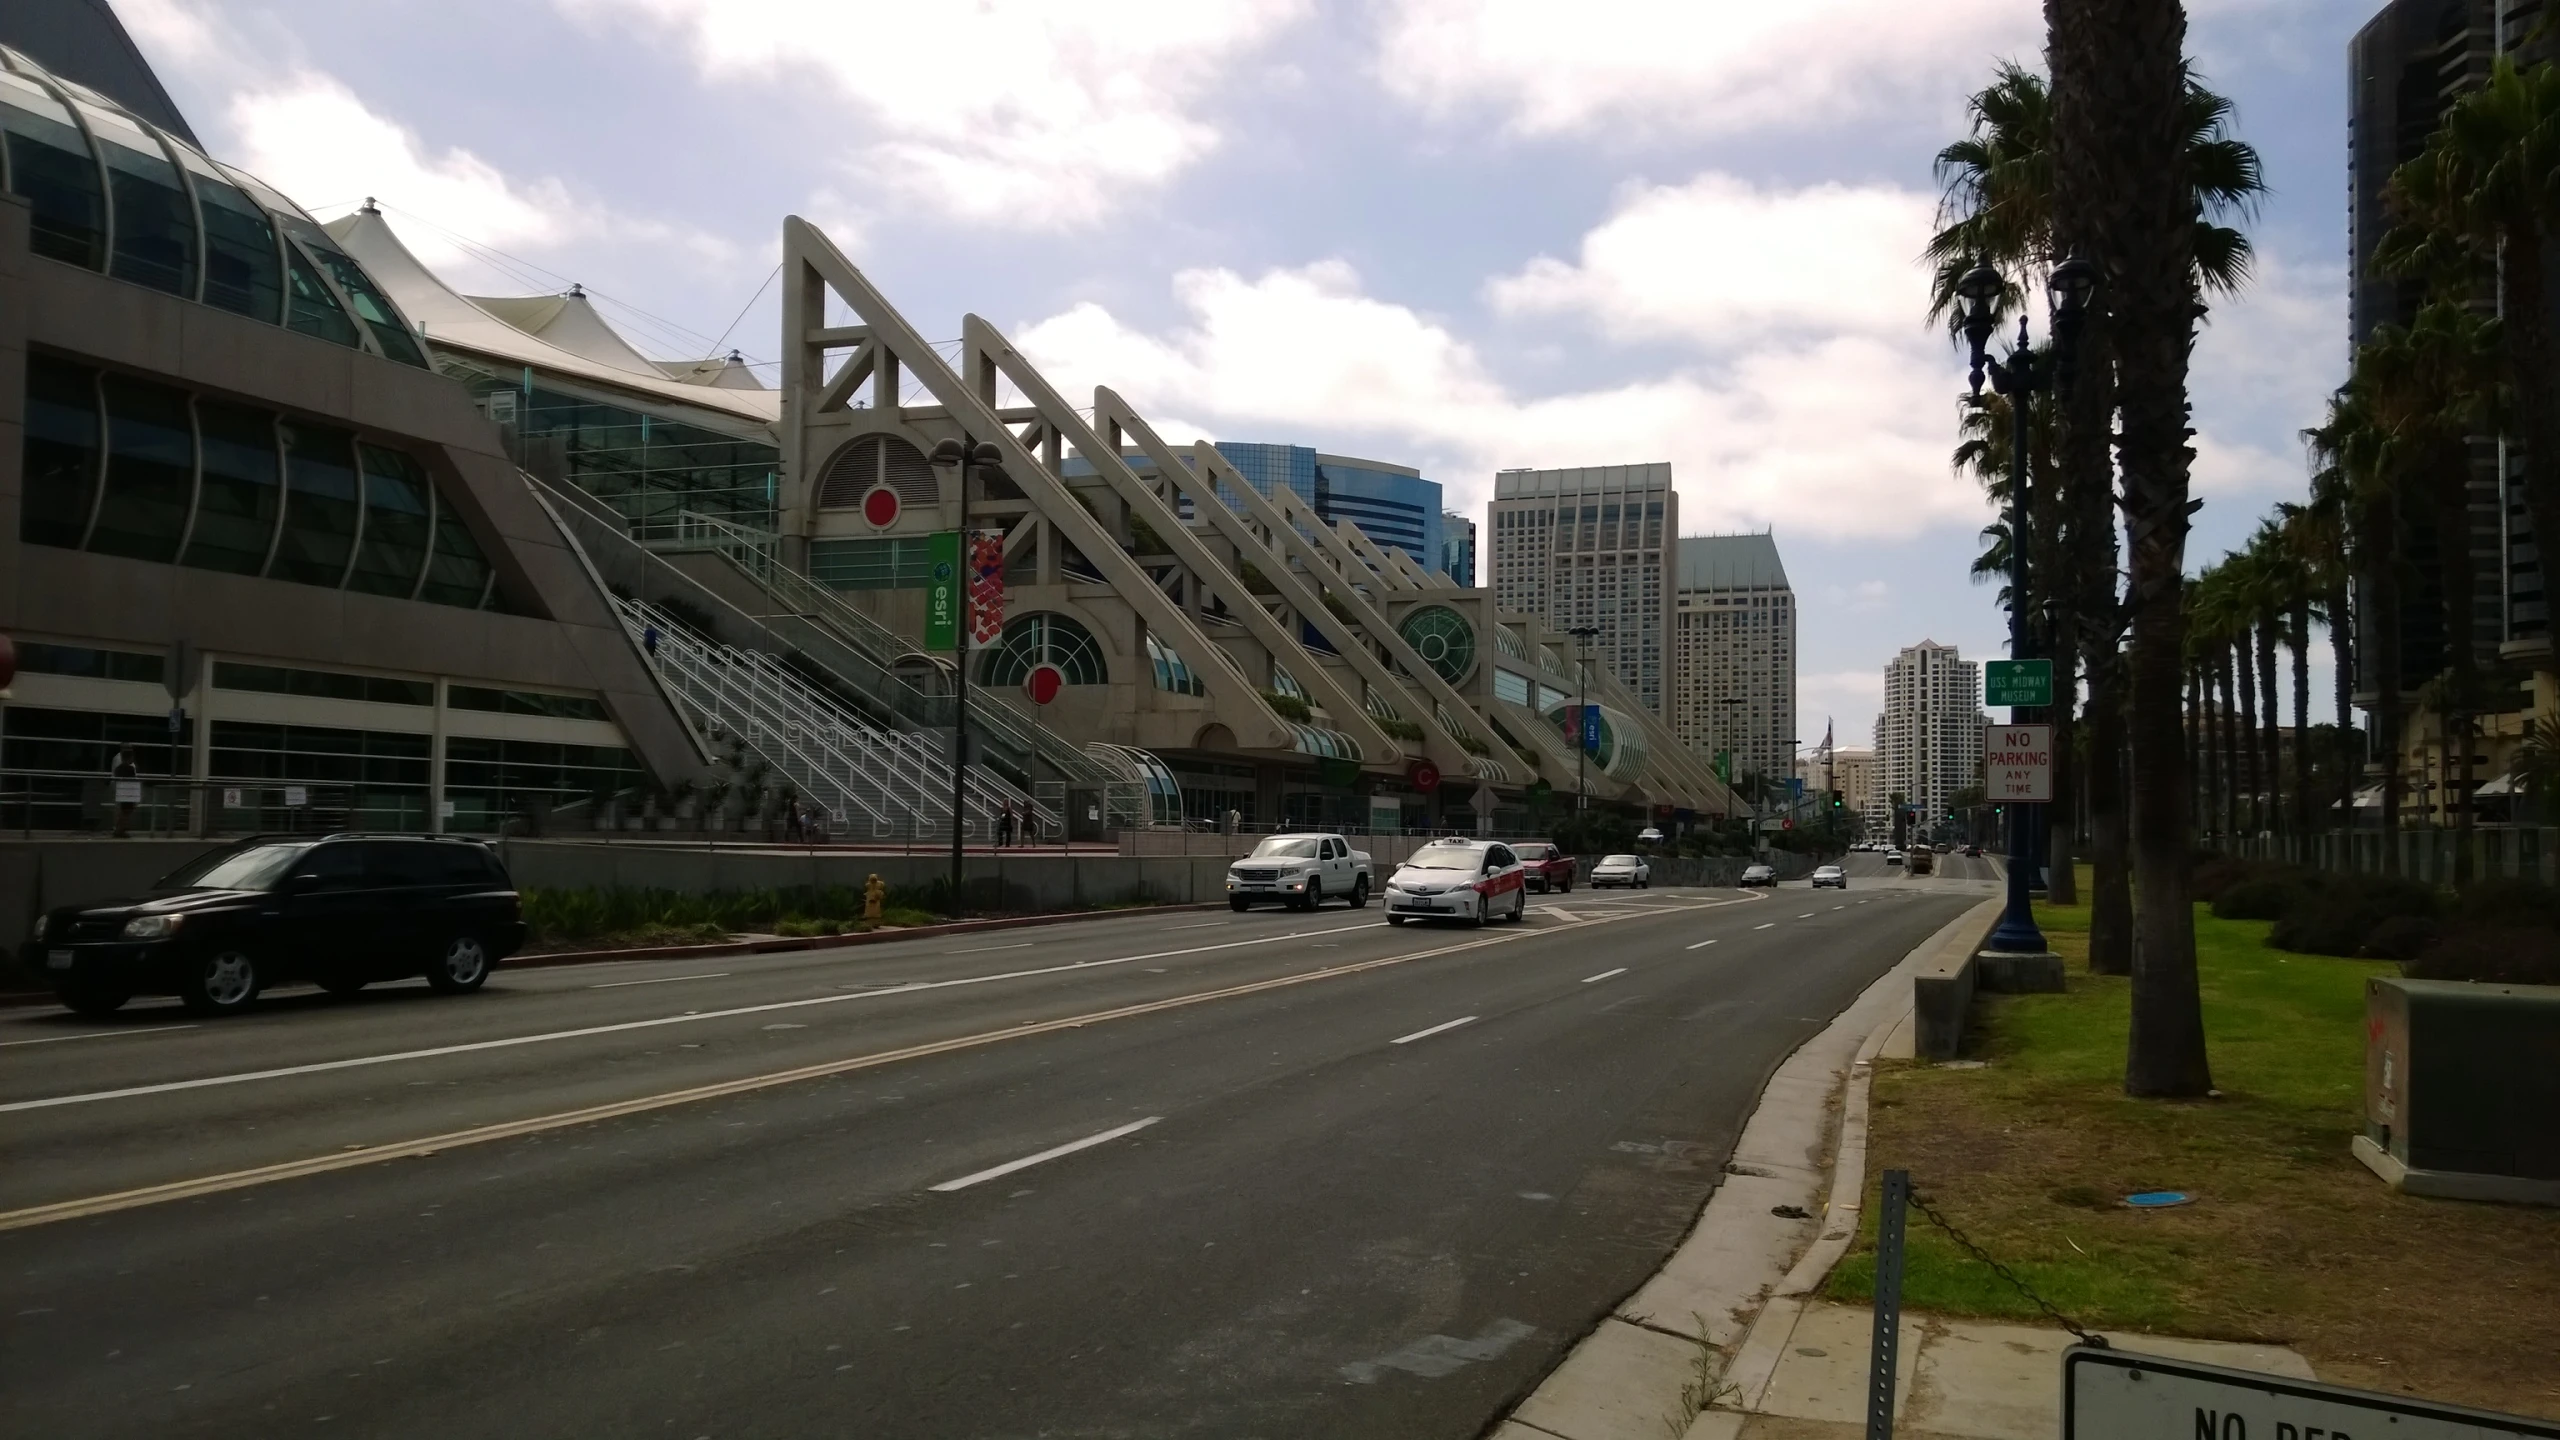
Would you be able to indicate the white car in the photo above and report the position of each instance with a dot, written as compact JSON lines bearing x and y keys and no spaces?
{"x":1302,"y":870}
{"x":1648,"y":836}
{"x":1632,"y":871}
{"x":1893,"y":857}
{"x":1474,"y":880}
{"x":1831,"y":875}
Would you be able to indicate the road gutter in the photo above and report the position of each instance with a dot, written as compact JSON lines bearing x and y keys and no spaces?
{"x":1711,"y":1324}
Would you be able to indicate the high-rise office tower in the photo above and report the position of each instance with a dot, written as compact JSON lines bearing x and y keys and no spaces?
{"x":1588,"y":548}
{"x":1929,"y":738}
{"x":1458,"y":547}
{"x":1734,"y":638}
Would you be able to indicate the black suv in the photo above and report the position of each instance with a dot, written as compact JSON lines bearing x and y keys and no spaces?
{"x":341,"y":911}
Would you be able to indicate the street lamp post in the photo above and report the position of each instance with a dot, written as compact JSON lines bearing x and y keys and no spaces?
{"x":964,"y":456}
{"x":2020,"y":380}
{"x":1582,"y":722}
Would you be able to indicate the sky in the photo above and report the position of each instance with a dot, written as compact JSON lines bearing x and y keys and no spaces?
{"x":1460,"y":236}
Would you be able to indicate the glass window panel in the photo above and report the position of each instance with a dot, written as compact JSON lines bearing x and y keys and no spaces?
{"x":321,"y":506}
{"x":151,"y":462}
{"x":61,"y":452}
{"x":241,"y":270}
{"x":457,"y":573}
{"x":313,"y":310}
{"x":524,"y":702}
{"x":155,"y":240}
{"x":243,"y":488}
{"x":322,"y":684}
{"x":41,"y":659}
{"x":373,"y":307}
{"x":396,"y":523}
{"x":50,"y":167}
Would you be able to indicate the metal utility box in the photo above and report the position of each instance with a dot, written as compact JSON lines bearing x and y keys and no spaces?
{"x":2462,"y":1088}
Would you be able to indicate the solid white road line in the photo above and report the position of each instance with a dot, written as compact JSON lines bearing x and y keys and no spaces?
{"x":96,"y":1035}
{"x":1027,"y":1161}
{"x":983,"y":949}
{"x":1703,"y":944}
{"x":1603,"y":975}
{"x":1203,"y":925}
{"x":1434,"y":1030}
{"x":661,"y":980}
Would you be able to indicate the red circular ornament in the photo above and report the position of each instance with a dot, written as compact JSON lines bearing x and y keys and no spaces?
{"x":1424,"y":775}
{"x":1043,"y":683}
{"x":880,"y":507}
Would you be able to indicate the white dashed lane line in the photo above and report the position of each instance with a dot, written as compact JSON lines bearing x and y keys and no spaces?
{"x":1434,"y":1030}
{"x":1603,"y":975}
{"x":1703,"y":944}
{"x":1772,"y":925}
{"x":661,"y":980}
{"x":1027,"y":1161}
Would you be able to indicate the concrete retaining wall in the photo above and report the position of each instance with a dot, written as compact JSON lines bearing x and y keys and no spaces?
{"x":1031,"y":881}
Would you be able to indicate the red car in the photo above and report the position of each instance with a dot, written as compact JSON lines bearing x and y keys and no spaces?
{"x":1544,"y":866}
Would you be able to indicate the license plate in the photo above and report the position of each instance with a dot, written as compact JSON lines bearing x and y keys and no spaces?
{"x":57,"y":960}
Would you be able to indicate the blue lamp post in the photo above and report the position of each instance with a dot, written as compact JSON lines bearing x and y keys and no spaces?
{"x":2019,"y":380}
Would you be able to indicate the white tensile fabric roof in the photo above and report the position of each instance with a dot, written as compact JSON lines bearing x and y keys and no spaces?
{"x":558,"y":334}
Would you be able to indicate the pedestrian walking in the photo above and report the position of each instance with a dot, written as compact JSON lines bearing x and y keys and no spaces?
{"x":127,"y":779}
{"x":1232,"y":820}
{"x":794,"y":829}
{"x":649,"y":641}
{"x":1004,"y":825}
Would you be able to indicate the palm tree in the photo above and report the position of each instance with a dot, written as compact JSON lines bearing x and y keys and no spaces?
{"x":2290,"y":553}
{"x":2125,"y":196}
{"x":2432,"y":386}
{"x":2009,"y":203}
{"x":2481,"y":203}
{"x":2340,"y":450}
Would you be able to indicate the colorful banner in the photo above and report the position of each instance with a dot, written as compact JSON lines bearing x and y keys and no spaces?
{"x":942,"y":590}
{"x":986,"y":586}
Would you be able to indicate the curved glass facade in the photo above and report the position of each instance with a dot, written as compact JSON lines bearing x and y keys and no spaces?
{"x":118,"y":465}
{"x":111,"y":193}
{"x":1170,"y":671}
{"x":1040,"y":637}
{"x":1444,"y":640}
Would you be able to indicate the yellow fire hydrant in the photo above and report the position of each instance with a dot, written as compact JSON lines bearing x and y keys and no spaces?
{"x":874,"y":892}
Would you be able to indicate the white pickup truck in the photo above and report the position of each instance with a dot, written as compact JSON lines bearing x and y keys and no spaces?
{"x":1304,"y":870}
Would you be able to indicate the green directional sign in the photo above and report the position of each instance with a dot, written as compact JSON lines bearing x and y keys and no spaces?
{"x":942,"y":591}
{"x":2017,"y":682}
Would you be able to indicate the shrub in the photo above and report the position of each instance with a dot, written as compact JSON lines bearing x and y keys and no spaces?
{"x":2208,"y":874}
{"x":2402,"y":938}
{"x":2509,"y":904}
{"x":2337,"y":920}
{"x":2266,"y":896}
{"x":2505,"y":955}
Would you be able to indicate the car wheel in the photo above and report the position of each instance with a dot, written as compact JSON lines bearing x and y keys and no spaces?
{"x":1360,"y":893}
{"x":464,"y":966}
{"x":1484,"y":911}
{"x":1568,"y":887}
{"x":220,"y":982}
{"x":1519,"y":907}
{"x":92,"y":1000}
{"x":1314,"y":896}
{"x":342,"y":986}
{"x":1237,"y":903}
{"x":1395,"y":919}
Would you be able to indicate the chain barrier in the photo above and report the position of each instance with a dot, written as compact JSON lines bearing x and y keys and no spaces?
{"x":2005,"y":1273}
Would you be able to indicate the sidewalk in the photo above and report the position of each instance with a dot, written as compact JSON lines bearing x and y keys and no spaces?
{"x":1726,"y":1341}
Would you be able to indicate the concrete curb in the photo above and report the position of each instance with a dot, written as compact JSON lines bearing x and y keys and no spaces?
{"x":778,"y":944}
{"x":1740,"y":1279}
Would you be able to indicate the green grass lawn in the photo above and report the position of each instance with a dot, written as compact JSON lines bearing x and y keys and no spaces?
{"x":2290,"y":1240}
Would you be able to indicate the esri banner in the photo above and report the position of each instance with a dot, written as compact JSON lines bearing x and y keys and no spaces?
{"x":2017,"y":764}
{"x":942,"y":590}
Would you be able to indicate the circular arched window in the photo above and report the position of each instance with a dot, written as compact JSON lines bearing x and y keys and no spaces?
{"x":1444,"y":640}
{"x":1043,"y":637}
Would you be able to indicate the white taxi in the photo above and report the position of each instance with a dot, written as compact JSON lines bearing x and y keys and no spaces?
{"x":1476,"y":880}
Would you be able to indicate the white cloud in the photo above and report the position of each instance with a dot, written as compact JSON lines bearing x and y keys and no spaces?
{"x":2263,"y":369}
{"x":1029,"y":113}
{"x":1693,"y":66}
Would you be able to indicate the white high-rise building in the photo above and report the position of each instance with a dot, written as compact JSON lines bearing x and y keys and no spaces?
{"x":1587,"y":548}
{"x":1734,"y":638}
{"x":1929,"y":738}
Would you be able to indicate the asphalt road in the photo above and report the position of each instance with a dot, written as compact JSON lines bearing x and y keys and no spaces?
{"x":1335,"y":1178}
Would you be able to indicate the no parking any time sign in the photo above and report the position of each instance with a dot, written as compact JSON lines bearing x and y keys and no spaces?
{"x":2017,"y":764}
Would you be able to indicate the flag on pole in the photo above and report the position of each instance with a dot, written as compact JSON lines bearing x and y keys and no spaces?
{"x":986,"y":586}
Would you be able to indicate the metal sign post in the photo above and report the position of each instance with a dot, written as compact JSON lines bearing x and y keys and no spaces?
{"x":1887,"y":1347}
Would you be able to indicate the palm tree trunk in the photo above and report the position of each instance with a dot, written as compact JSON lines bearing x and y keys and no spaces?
{"x":2384,"y":591}
{"x":2453,"y":572}
{"x":2199,"y":743}
{"x":2536,"y":363}
{"x":2226,"y":664}
{"x":2252,"y":792}
{"x":2297,"y":637}
{"x":2270,"y":735}
{"x":2062,"y":883}
{"x":2110,"y":874}
{"x":2342,"y":681}
{"x":2122,"y":192}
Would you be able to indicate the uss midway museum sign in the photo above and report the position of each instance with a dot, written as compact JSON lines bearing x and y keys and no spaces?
{"x":2119,"y":1395}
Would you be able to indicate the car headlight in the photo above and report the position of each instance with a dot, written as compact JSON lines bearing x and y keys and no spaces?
{"x":152,"y":927}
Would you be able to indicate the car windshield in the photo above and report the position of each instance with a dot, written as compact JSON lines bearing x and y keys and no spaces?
{"x":258,"y":867}
{"x":1446,"y":857}
{"x":1286,"y":848}
{"x":1530,"y":852}
{"x":1619,"y":860}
